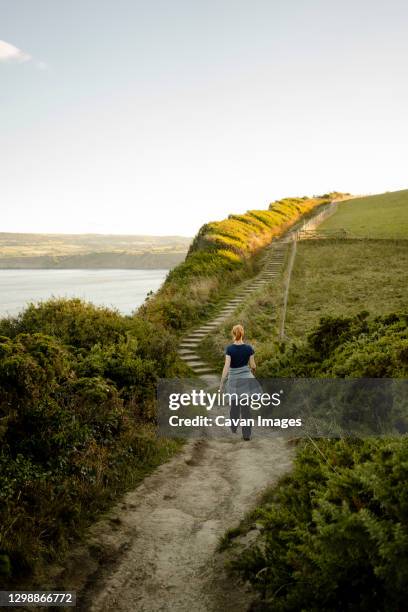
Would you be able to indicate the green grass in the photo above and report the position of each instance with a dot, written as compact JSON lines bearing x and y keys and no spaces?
{"x":379,"y":216}
{"x":330,"y":277}
{"x":338,"y":278}
{"x":222,"y":254}
{"x":343,"y":278}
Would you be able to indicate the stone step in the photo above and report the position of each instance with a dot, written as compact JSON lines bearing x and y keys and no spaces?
{"x":200,"y":365}
{"x":204,"y":326}
{"x":192,"y":360}
{"x":197,"y":363}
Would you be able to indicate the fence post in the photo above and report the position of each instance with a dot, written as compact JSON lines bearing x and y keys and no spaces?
{"x":287,"y":285}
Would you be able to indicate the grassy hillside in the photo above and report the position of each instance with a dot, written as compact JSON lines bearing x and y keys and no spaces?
{"x":223,"y":253}
{"x":333,"y":534}
{"x":344,"y":278}
{"x":379,"y":216}
{"x":337,"y":278}
{"x":347,"y":276}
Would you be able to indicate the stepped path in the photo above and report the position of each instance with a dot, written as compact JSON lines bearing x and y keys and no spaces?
{"x":273,"y":262}
{"x":162,"y":538}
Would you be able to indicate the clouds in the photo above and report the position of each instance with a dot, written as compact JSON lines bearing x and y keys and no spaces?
{"x":9,"y":53}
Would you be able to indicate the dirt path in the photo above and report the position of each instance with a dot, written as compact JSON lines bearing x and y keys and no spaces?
{"x":174,"y":521}
{"x":163,"y":536}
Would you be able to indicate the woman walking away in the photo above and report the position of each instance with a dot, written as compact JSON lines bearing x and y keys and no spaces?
{"x":238,"y":371}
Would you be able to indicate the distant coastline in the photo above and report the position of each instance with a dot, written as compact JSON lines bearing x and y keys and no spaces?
{"x":97,"y":261}
{"x":90,"y":251}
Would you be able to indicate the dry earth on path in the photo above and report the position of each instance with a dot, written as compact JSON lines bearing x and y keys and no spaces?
{"x":166,"y":531}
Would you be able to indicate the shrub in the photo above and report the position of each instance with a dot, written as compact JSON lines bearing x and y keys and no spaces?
{"x":334,"y":532}
{"x":77,"y":389}
{"x":351,"y":347}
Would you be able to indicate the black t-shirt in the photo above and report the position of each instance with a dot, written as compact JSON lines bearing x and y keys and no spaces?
{"x":240,"y":354}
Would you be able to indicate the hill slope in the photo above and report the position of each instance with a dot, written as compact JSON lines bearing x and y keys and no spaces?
{"x":379,"y":216}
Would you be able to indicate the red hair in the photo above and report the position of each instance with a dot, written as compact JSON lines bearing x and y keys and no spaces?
{"x":238,"y":332}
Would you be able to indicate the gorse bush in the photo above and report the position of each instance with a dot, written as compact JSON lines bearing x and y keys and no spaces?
{"x":334,"y":533}
{"x":342,"y":347}
{"x":77,"y":389}
{"x":224,"y":252}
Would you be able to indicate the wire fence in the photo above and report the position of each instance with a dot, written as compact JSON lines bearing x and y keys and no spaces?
{"x":308,"y":228}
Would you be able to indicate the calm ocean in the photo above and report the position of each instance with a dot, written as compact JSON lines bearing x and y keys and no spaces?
{"x":121,"y":289}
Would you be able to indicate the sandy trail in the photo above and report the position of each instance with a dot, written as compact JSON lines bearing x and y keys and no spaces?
{"x":171,"y":525}
{"x":163,"y":536}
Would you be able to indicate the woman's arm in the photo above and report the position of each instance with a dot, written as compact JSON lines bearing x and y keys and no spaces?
{"x":225,"y":370}
{"x":252,"y":363}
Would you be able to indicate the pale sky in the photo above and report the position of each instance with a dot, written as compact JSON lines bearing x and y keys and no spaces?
{"x":154,"y":117}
